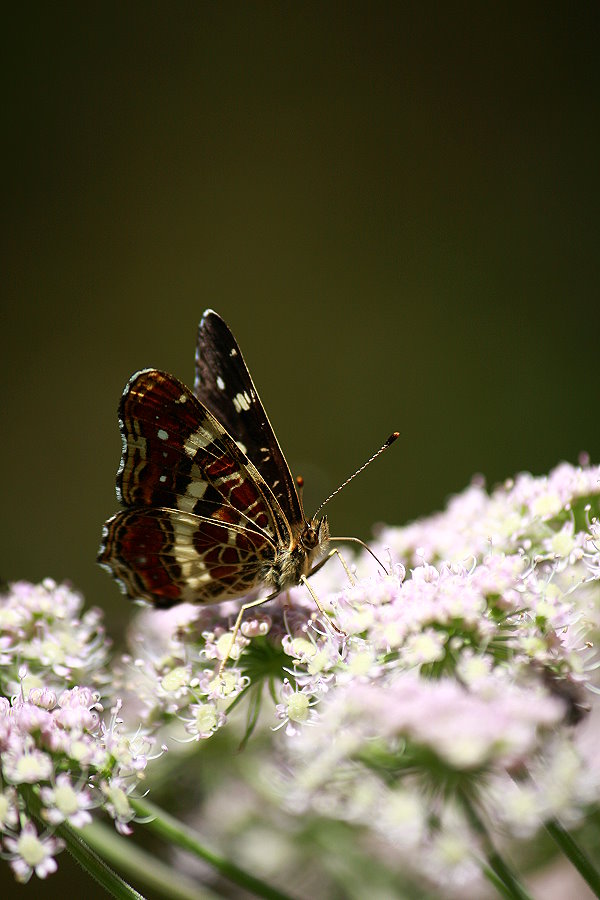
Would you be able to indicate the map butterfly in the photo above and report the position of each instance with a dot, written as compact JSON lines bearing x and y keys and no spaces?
{"x":211,"y":508}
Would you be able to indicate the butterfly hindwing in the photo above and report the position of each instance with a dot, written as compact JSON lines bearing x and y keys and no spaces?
{"x":167,"y":556}
{"x":224,"y":385}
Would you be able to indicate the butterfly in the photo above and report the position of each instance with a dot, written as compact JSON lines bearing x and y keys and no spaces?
{"x":211,"y":508}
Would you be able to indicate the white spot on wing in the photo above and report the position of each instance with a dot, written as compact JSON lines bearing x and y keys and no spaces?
{"x":199,"y":439}
{"x":197,"y":488}
{"x":194,"y":492}
{"x":242,"y":402}
{"x":220,"y":383}
{"x":233,"y":352}
{"x":182,"y":399}
{"x":163,"y":478}
{"x":193,"y":570}
{"x":163,"y":435}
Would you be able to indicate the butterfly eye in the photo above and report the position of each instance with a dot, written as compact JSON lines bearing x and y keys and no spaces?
{"x":309,"y":537}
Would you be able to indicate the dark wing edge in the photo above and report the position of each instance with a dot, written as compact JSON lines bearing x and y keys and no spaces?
{"x":224,"y":385}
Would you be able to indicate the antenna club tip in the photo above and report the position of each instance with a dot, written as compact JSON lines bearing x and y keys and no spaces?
{"x":393,"y":437}
{"x":299,"y":481}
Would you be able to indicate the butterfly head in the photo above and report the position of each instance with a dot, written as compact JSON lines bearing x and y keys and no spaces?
{"x":315,"y":535}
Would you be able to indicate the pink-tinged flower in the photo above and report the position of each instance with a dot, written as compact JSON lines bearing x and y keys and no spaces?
{"x":9,"y":811}
{"x":30,"y":852}
{"x":222,"y":687}
{"x":474,"y":669}
{"x":218,"y":646}
{"x":466,"y":730}
{"x":295,"y":710}
{"x":475,"y":523}
{"x":30,"y":718}
{"x":428,"y":646}
{"x":400,"y":817}
{"x":26,"y":765}
{"x":450,"y":856}
{"x":514,"y":805}
{"x":203,"y":720}
{"x":42,"y":697}
{"x":175,"y":683}
{"x":65,"y":803}
{"x":43,"y":625}
{"x":128,"y":751}
{"x":116,"y":803}
{"x":77,"y":710}
{"x":257,"y":625}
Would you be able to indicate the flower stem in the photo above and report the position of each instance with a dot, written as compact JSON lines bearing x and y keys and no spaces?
{"x":142,"y":867}
{"x":180,"y":835}
{"x":87,"y":858}
{"x":575,"y":854}
{"x":496,"y":869}
{"x":95,"y":866}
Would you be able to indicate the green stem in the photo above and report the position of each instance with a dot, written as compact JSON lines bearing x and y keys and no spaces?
{"x":95,"y":866}
{"x":175,"y":833}
{"x":141,"y":866}
{"x":496,"y":870}
{"x":575,"y":854}
{"x":87,"y":858}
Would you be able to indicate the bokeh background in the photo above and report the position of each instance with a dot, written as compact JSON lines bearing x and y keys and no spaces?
{"x":394,"y":206}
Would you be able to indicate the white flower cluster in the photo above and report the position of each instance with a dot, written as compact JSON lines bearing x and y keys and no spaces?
{"x":463,"y":675}
{"x":58,"y":758}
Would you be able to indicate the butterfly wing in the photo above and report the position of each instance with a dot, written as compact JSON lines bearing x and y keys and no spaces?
{"x":223,"y":384}
{"x":167,"y":557}
{"x":176,"y":455}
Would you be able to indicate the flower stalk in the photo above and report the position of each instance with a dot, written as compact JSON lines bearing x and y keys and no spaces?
{"x":575,"y":854}
{"x":89,"y":860}
{"x":496,"y":869}
{"x":179,"y":835}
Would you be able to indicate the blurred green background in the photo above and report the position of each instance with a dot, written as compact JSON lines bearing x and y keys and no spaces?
{"x":394,"y":206}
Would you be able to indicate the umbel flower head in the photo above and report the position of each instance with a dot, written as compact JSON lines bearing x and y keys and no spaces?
{"x":449,"y":704}
{"x":460,"y":683}
{"x":58,"y":757}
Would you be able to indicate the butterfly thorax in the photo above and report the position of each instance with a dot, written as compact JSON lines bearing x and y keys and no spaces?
{"x":306,"y":547}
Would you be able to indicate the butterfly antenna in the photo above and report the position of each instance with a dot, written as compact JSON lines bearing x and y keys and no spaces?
{"x":366,"y":547}
{"x":387,"y":444}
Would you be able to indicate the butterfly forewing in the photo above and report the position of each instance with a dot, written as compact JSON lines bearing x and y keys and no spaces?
{"x":166,"y":556}
{"x":177,"y":455}
{"x":224,"y":385}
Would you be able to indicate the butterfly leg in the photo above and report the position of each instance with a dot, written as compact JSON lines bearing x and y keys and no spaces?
{"x":318,"y":604}
{"x":334,"y":552}
{"x":237,"y":625}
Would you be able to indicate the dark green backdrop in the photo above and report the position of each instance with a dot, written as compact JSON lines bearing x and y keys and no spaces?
{"x":394,"y":206}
